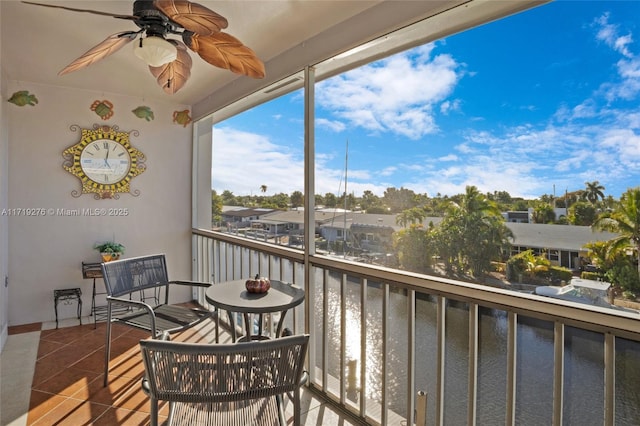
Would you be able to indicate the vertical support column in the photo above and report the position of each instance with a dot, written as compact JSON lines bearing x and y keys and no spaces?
{"x":609,"y":379}
{"x":558,"y":373}
{"x":309,"y":165}
{"x":440,"y":324}
{"x":363,"y":345}
{"x":325,"y":334}
{"x":201,"y":173}
{"x":309,"y":210}
{"x":512,"y":349}
{"x":421,"y":409}
{"x":384,"y":403}
{"x":343,"y":339}
{"x":200,"y":190}
{"x":472,"y":392}
{"x":411,"y":354}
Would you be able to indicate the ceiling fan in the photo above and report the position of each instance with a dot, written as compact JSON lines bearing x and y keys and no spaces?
{"x":199,"y":27}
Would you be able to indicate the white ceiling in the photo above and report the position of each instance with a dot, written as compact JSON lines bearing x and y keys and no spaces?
{"x":37,"y":42}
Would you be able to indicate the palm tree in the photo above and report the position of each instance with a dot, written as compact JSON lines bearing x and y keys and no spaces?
{"x":472,"y":233}
{"x":263,"y":188}
{"x":625,"y":221}
{"x":543,"y":213}
{"x":474,"y":202}
{"x":410,"y":217}
{"x":593,"y":192}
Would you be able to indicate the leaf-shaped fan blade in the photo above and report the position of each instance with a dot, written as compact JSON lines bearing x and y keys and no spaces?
{"x":110,"y":45}
{"x":192,"y":16}
{"x":73,"y":9}
{"x":225,"y":51}
{"x":173,"y":76}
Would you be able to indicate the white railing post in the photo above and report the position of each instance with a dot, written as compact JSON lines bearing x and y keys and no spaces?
{"x":421,"y":408}
{"x":366,"y":386}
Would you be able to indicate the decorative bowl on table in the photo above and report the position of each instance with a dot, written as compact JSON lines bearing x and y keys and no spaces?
{"x":258,"y":284}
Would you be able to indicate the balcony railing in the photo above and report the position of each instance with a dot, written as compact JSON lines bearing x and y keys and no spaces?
{"x":389,"y":346}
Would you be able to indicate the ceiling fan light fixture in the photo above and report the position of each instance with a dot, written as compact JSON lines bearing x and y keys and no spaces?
{"x":155,"y":51}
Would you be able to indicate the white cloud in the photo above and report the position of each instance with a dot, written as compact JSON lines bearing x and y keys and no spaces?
{"x":242,"y":162}
{"x":608,"y":33}
{"x":450,"y":157}
{"x":395,"y":95}
{"x":388,"y":171}
{"x":449,"y":106}
{"x":333,"y":125}
{"x":626,"y":143}
{"x":400,"y":96}
{"x":628,"y":67}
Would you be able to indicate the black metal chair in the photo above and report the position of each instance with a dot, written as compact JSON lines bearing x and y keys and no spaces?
{"x":126,"y":281}
{"x":225,"y":384}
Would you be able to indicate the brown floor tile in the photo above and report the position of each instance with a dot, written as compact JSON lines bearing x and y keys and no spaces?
{"x":122,"y":345}
{"x":93,"y":362}
{"x":120,"y":416}
{"x":46,"y":368}
{"x":135,"y":399}
{"x":41,"y":403}
{"x":67,"y":334}
{"x":134,"y":333}
{"x":47,"y":347}
{"x":67,"y":382}
{"x":70,"y":353}
{"x":115,"y":390}
{"x":128,"y":365}
{"x":72,"y":412}
{"x":93,"y":340}
{"x":68,"y":386}
{"x":25,"y":328}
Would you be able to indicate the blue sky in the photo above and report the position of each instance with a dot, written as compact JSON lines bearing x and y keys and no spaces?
{"x":542,"y":101}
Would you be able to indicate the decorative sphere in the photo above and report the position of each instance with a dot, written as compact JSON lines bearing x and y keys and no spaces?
{"x":258,"y":284}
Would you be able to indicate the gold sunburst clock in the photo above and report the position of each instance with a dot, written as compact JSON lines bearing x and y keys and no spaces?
{"x":105,"y":161}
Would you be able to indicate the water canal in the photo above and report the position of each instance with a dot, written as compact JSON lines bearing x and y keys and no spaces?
{"x":584,"y":361}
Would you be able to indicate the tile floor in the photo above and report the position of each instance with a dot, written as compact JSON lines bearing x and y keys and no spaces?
{"x":54,"y":377}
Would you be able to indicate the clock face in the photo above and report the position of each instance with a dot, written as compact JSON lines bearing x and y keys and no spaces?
{"x":105,"y":161}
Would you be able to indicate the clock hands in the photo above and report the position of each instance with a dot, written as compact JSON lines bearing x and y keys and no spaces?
{"x":106,"y":159}
{"x":110,"y":168}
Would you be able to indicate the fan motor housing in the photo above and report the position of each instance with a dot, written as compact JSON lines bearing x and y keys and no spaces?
{"x":151,"y":19}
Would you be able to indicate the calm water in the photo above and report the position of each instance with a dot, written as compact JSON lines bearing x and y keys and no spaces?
{"x":584,"y":362}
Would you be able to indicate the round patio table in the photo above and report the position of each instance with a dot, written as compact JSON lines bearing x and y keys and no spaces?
{"x":233,"y":297}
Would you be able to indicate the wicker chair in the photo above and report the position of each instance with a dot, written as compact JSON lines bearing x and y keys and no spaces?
{"x":130,"y":283}
{"x":225,"y":384}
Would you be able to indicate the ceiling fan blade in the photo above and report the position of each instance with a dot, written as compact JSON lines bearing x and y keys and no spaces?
{"x":73,"y":9}
{"x":110,"y":45}
{"x":225,"y":51}
{"x":174,"y":75}
{"x":192,"y":16}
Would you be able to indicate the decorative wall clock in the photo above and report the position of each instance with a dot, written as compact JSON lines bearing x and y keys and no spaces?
{"x":104,"y":161}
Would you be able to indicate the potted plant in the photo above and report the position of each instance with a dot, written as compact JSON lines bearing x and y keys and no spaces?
{"x":109,"y":250}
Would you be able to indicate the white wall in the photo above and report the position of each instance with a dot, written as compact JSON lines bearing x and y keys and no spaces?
{"x":45,"y":253}
{"x":4,"y":239}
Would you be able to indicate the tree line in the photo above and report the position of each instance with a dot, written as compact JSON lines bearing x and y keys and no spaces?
{"x":473,"y":234}
{"x":582,"y":206}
